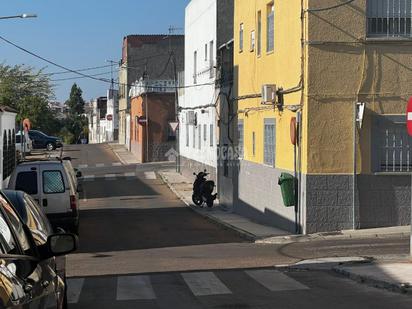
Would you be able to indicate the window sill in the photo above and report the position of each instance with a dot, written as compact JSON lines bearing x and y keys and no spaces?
{"x":388,"y":39}
{"x":392,"y":173}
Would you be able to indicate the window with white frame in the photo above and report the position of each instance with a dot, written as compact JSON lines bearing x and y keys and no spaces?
{"x":389,"y":18}
{"x":270,"y":28}
{"x":211,"y":136}
{"x":269,"y":141}
{"x":391,"y":145}
{"x":187,"y":135}
{"x":241,"y":37}
{"x":194,"y":136}
{"x":211,"y":60}
{"x":195,"y":67}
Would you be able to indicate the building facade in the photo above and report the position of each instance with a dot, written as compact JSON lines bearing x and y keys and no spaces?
{"x":151,"y":57}
{"x":112,"y":116}
{"x":198,"y":131}
{"x":319,"y":62}
{"x":7,"y":144}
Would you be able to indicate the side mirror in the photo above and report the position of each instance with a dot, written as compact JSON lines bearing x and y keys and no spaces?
{"x":79,"y":174}
{"x":62,"y":244}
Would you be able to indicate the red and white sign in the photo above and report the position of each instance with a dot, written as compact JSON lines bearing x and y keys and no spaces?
{"x":109,"y":117}
{"x":409,"y":117}
{"x":174,"y":125}
{"x":142,"y":120}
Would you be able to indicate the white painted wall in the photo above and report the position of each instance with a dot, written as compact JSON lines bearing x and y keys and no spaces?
{"x":7,"y":122}
{"x":200,"y":29}
{"x":112,"y":109}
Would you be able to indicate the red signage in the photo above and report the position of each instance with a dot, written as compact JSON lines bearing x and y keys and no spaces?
{"x":109,"y":117}
{"x":141,"y":120}
{"x":409,"y":117}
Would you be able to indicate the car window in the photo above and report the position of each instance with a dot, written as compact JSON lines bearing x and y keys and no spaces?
{"x":53,"y":182}
{"x":7,"y":243}
{"x":27,"y":182}
{"x":37,"y":221}
{"x":16,"y":224}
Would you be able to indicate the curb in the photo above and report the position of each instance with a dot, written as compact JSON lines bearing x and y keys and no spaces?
{"x":242,"y":233}
{"x":394,"y":287}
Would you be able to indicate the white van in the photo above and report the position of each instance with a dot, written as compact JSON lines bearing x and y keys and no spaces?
{"x":50,"y":185}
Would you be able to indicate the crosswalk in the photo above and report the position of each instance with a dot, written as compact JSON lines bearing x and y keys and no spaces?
{"x":127,"y":176}
{"x":198,"y":284}
{"x":83,"y":166}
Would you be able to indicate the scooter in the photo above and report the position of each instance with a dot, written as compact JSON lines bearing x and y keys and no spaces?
{"x":203,"y":189}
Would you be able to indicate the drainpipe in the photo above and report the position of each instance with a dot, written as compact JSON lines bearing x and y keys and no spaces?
{"x":354,"y":167}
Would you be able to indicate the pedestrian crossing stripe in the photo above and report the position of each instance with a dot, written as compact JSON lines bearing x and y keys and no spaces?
{"x":150,"y":175}
{"x":200,"y":284}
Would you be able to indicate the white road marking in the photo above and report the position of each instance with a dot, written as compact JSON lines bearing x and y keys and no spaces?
{"x":74,"y":288}
{"x":117,"y":164}
{"x":205,"y":283}
{"x":150,"y":175}
{"x":88,"y":178}
{"x":134,"y":287}
{"x":110,"y":176}
{"x":274,"y":280}
{"x":100,"y":165}
{"x":130,"y":175}
{"x":83,"y":166}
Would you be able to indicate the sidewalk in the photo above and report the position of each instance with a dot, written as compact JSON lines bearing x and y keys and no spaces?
{"x":124,"y":156}
{"x":182,"y":187}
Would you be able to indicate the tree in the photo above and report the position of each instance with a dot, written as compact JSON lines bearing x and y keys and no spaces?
{"x":75,"y":103}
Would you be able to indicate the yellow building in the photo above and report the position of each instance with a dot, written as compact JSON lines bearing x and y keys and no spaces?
{"x":324,"y":57}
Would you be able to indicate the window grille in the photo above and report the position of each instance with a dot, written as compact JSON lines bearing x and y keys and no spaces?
{"x":270,"y":142}
{"x":259,"y":33}
{"x":270,"y":28}
{"x":200,"y":136}
{"x":241,"y":37}
{"x":211,"y":136}
{"x":187,"y":135}
{"x":389,"y":18}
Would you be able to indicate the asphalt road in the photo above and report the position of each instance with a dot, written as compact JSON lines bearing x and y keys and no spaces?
{"x":141,"y":247}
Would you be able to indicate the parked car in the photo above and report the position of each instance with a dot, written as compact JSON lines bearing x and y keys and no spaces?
{"x":32,"y":216}
{"x":23,"y":145}
{"x":50,"y":185}
{"x":27,"y":276}
{"x":72,"y":171}
{"x":41,"y":140}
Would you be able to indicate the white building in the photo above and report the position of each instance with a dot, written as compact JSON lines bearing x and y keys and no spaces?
{"x":112,"y":116}
{"x":197,"y":117}
{"x":97,"y":121}
{"x":7,"y":145}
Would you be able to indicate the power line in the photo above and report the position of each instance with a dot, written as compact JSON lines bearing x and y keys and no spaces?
{"x":71,"y":78}
{"x":79,"y":70}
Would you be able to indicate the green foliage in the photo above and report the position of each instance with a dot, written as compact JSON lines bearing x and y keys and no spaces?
{"x":76,"y":122}
{"x":28,"y":91}
{"x":75,"y":103}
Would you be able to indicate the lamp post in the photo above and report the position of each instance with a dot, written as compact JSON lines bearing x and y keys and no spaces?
{"x":19,"y":16}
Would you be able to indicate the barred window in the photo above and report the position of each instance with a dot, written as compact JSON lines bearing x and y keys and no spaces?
{"x":389,"y":18}
{"x":270,"y":142}
{"x":241,"y":37}
{"x":212,"y":143}
{"x":200,"y":136}
{"x":240,"y":138}
{"x":270,"y":23}
{"x":187,"y":135}
{"x":392,"y":145}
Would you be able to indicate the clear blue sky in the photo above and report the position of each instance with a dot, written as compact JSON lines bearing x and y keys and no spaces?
{"x":81,"y":33}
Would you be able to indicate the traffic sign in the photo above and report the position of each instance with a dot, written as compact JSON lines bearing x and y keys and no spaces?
{"x":142,"y":120}
{"x":409,"y":117}
{"x":173,"y":125}
{"x":109,"y":117}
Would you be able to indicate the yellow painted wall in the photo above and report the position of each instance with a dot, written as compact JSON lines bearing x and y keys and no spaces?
{"x":281,"y":67}
{"x":344,"y":66}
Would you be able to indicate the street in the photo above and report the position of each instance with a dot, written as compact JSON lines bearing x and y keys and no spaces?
{"x":141,"y":247}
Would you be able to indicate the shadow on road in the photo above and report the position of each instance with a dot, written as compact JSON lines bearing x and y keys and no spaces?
{"x":131,"y":229}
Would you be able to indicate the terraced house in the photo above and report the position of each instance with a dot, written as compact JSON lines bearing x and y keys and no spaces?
{"x":340,"y":72}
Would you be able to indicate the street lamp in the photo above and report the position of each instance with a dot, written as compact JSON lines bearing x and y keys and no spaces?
{"x":19,"y":16}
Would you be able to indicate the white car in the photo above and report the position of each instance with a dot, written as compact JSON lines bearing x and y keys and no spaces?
{"x":24,"y":145}
{"x":50,"y":184}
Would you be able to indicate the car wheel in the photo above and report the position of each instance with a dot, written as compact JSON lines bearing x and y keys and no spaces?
{"x":50,"y":146}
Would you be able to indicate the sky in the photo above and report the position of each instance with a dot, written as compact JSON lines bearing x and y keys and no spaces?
{"x":81,"y":34}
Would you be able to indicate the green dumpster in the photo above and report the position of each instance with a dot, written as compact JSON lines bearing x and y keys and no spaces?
{"x":287,"y":186}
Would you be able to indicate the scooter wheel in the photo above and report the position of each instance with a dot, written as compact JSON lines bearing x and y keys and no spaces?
{"x":197,"y":200}
{"x":209,"y":203}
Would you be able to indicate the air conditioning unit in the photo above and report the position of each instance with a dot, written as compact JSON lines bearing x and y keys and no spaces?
{"x":269,"y":94}
{"x":191,"y":118}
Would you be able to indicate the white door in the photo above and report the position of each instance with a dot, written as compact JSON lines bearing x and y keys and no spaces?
{"x":55,"y":188}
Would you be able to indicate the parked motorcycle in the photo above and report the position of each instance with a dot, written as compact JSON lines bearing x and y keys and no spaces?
{"x":203,"y":189}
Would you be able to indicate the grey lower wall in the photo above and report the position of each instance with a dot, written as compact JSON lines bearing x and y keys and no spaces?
{"x":258,"y":196}
{"x":381,"y":200}
{"x":189,"y":166}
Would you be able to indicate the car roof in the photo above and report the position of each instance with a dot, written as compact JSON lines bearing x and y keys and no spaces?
{"x":40,"y":162}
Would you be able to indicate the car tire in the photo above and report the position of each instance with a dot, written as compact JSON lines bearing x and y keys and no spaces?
{"x":50,"y":146}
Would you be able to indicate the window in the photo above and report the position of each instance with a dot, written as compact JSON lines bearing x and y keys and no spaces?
{"x":252,"y":40}
{"x":27,"y":182}
{"x":269,"y":142}
{"x":392,"y":145}
{"x":389,"y":18}
{"x":53,"y":182}
{"x":211,"y":60}
{"x":211,"y":136}
{"x":241,"y":38}
{"x":16,"y":224}
{"x":259,"y":33}
{"x":270,"y":23}
{"x":205,"y":132}
{"x":206,"y":52}
{"x":253,"y":143}
{"x":187,"y":135}
{"x":200,"y":136}
{"x":194,"y":137}
{"x":240,"y":138}
{"x":195,"y":67}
